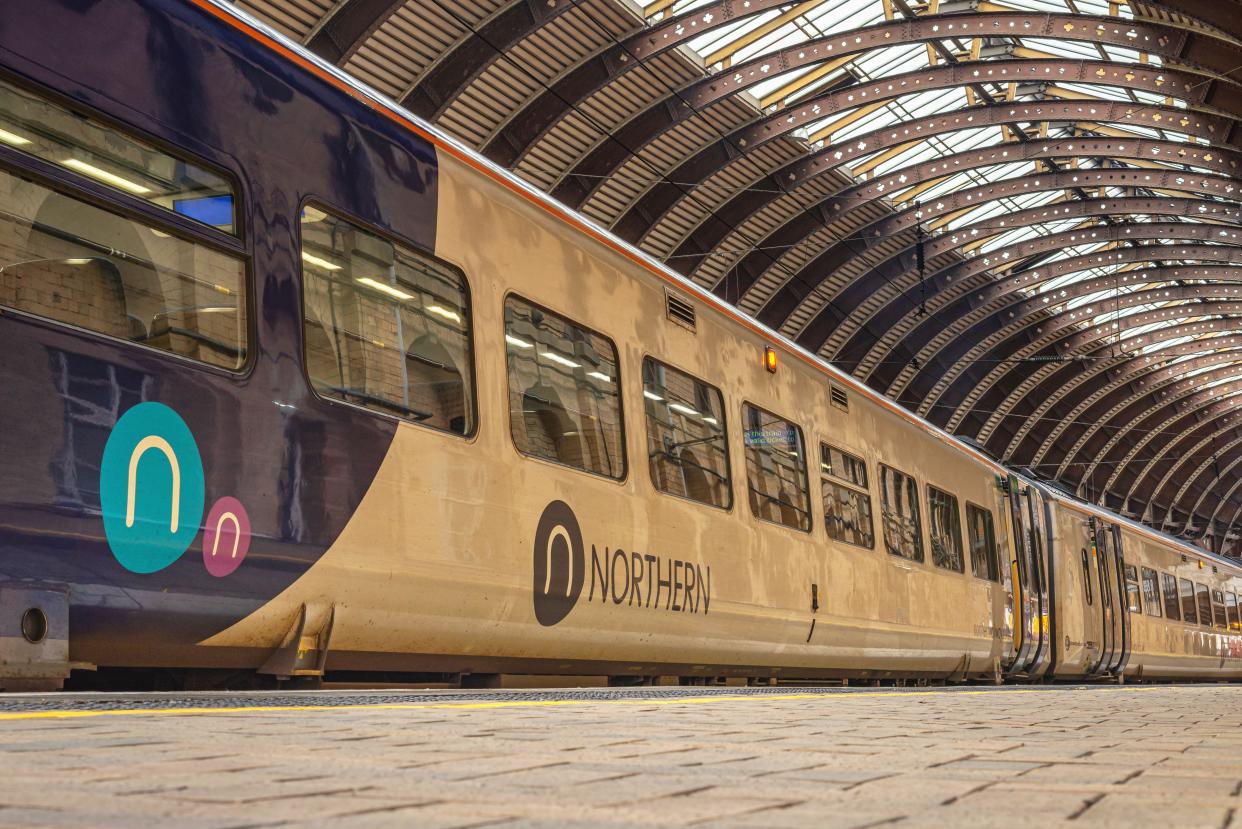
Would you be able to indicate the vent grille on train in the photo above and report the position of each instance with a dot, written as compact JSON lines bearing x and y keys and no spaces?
{"x":679,"y":310}
{"x":840,"y":399}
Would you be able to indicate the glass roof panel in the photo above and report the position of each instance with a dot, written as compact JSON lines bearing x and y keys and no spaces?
{"x":991,"y":236}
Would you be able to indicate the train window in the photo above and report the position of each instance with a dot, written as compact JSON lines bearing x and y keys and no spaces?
{"x":50,"y":132}
{"x":847,"y":509}
{"x":1133,"y":603}
{"x":984,"y":561}
{"x":686,"y":448}
{"x":776,"y":473}
{"x":1231,"y":606}
{"x":1172,"y":606}
{"x":564,"y":403}
{"x":385,"y":328}
{"x":1151,"y":592}
{"x":1187,"y":592}
{"x":843,"y":466}
{"x":1086,"y":575}
{"x":899,"y":504}
{"x":1205,"y":605}
{"x":945,"y":527}
{"x":68,"y":261}
{"x":1218,"y":610}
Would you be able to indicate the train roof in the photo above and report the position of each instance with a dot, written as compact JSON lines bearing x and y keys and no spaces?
{"x":367,"y":95}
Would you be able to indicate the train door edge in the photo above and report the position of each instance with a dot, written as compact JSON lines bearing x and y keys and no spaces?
{"x":1123,"y":605}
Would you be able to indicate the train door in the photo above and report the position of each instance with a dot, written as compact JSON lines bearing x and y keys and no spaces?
{"x":1039,"y":528}
{"x":1027,"y":519}
{"x":1114,"y":617}
{"x":1101,"y":552}
{"x":1009,"y":614}
{"x":1092,"y":617}
{"x":1121,"y":654}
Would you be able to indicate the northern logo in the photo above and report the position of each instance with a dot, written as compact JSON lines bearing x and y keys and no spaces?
{"x":560,"y":563}
{"x":152,"y":492}
{"x":640,"y":580}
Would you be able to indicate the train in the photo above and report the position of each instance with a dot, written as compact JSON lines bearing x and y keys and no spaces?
{"x":298,"y":386}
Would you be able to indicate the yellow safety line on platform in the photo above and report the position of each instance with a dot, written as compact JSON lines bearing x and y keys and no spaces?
{"x":538,"y":703}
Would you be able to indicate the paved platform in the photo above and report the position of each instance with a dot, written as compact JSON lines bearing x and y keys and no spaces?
{"x":1135,"y":757}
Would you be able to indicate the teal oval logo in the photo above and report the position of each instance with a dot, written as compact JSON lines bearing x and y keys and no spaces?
{"x":150,"y":488}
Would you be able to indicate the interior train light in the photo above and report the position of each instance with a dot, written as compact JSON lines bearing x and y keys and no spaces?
{"x":319,"y":263}
{"x":444,"y":312}
{"x":13,"y":139}
{"x":520,"y":343}
{"x":769,"y":358}
{"x":380,"y":286}
{"x":106,"y":177}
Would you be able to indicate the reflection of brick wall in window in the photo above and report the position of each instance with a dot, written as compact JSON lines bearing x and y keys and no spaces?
{"x":90,"y":297}
{"x":81,"y":286}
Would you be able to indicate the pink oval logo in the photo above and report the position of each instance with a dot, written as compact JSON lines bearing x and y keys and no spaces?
{"x":226,"y":539}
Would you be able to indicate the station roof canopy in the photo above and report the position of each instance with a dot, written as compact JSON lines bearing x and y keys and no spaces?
{"x":1017,"y":218}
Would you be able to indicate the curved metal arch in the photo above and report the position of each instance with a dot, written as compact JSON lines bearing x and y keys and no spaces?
{"x":1074,"y":264}
{"x":975,"y":400}
{"x":988,"y":344}
{"x":839,"y":209}
{"x":638,"y":133}
{"x":1147,"y":370}
{"x":1151,"y":425}
{"x":1189,"y":477}
{"x":529,"y":125}
{"x":955,"y":311}
{"x":1112,"y":400}
{"x":787,"y":308}
{"x":1008,"y":355}
{"x":1120,"y":388}
{"x":525,"y":127}
{"x":347,"y":26}
{"x":1229,"y":494}
{"x":860,"y":302}
{"x":1188,"y":425}
{"x":881,"y":291}
{"x":708,"y":233}
{"x":988,"y":293}
{"x":1160,"y":421}
{"x":461,"y":64}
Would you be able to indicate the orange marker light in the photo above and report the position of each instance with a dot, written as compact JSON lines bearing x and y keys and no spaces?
{"x":769,"y":358}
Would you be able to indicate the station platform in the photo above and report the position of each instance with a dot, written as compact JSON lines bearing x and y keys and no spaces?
{"x":730,"y":757}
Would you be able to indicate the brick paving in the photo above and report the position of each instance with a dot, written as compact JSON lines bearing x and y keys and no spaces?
{"x":1134,"y":757}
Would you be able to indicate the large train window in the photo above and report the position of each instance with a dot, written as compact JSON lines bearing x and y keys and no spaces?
{"x":1205,"y":605}
{"x":945,"y":527}
{"x":385,"y":328}
{"x":686,"y":448}
{"x":48,"y":131}
{"x":564,"y":403}
{"x":984,"y":560}
{"x":1151,"y":592}
{"x":1133,"y":602}
{"x":776,"y":474}
{"x":847,"y":506}
{"x":1231,"y":603}
{"x":1218,"y":609}
{"x":1172,"y":606}
{"x":65,"y":260}
{"x":899,"y":504}
{"x":1187,"y":593}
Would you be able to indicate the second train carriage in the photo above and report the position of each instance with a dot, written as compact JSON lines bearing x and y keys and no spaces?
{"x":296,"y":383}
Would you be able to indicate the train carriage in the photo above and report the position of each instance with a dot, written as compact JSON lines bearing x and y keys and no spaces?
{"x":297,"y":384}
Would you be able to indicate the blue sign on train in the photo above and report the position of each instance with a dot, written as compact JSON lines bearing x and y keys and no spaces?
{"x":151,"y":488}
